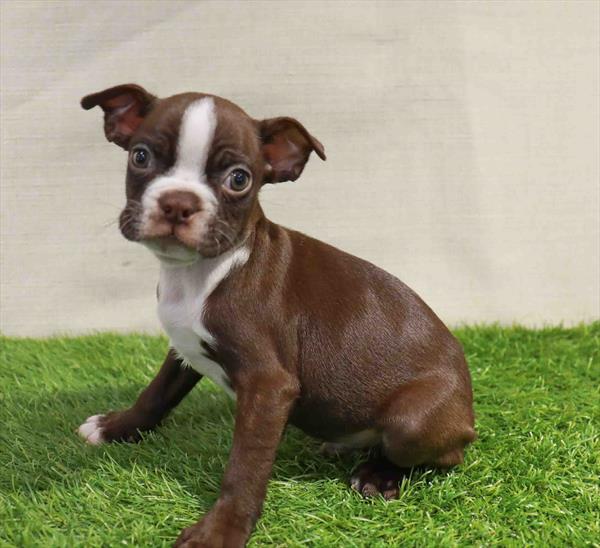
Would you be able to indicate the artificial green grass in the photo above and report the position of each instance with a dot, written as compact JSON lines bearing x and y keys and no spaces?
{"x":531,"y":478}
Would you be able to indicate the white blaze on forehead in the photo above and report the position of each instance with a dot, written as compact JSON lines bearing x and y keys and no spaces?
{"x":195,"y":137}
{"x":194,"y":142}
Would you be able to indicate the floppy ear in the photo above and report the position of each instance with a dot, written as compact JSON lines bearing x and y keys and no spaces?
{"x":286,"y":146}
{"x":124,"y":109}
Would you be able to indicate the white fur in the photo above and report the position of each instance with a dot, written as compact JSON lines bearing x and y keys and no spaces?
{"x":189,"y":171}
{"x":186,"y":278}
{"x":90,"y":430}
{"x":183,"y":291}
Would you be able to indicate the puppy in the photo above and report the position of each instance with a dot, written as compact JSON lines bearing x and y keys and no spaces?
{"x":296,"y":330}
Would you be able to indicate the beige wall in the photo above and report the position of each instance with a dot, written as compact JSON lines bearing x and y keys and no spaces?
{"x":462,"y":141}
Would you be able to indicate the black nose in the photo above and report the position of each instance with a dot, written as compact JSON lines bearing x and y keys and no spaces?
{"x":178,"y":206}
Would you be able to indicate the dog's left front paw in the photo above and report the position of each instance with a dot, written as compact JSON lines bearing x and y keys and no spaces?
{"x":215,"y":530}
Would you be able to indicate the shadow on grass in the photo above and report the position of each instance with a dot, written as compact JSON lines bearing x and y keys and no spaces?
{"x":191,"y":447}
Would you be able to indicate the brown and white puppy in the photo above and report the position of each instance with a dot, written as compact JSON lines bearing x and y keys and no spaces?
{"x":297,"y":331}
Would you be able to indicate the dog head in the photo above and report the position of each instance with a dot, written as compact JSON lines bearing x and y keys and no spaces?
{"x":196,"y":164}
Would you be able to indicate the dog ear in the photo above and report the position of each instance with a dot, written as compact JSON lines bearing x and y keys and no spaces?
{"x":124,"y":107}
{"x":286,"y":146}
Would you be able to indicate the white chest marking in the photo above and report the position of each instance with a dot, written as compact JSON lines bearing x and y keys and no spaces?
{"x":183,"y":291}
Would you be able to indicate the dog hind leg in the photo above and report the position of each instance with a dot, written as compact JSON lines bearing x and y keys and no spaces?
{"x":426,"y":423}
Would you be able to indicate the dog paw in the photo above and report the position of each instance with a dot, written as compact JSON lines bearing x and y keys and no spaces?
{"x":377,"y":477}
{"x":215,"y":530}
{"x":117,"y":426}
{"x":91,"y":430}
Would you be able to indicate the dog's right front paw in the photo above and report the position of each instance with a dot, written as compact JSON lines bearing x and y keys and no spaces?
{"x":91,"y":430}
{"x":115,"y":426}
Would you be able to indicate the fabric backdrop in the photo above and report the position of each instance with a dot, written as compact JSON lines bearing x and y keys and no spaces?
{"x":462,"y":142}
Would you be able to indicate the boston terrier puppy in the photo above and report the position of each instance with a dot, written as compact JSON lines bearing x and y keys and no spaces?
{"x":295,"y":330}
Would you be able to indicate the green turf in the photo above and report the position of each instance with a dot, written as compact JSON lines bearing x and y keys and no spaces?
{"x":531,"y":478}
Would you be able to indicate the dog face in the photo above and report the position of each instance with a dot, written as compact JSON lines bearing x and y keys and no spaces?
{"x":196,"y":164}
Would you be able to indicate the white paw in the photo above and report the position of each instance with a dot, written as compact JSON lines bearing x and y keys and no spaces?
{"x":91,"y":431}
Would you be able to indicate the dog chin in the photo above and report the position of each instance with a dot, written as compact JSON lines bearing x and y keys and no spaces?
{"x":171,"y":251}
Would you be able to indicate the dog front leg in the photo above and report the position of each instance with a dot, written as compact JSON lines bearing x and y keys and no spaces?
{"x":167,"y":389}
{"x":264,"y":402}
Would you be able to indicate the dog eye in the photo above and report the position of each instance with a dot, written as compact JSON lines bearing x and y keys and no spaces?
{"x":238,"y":180}
{"x":140,"y":156}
